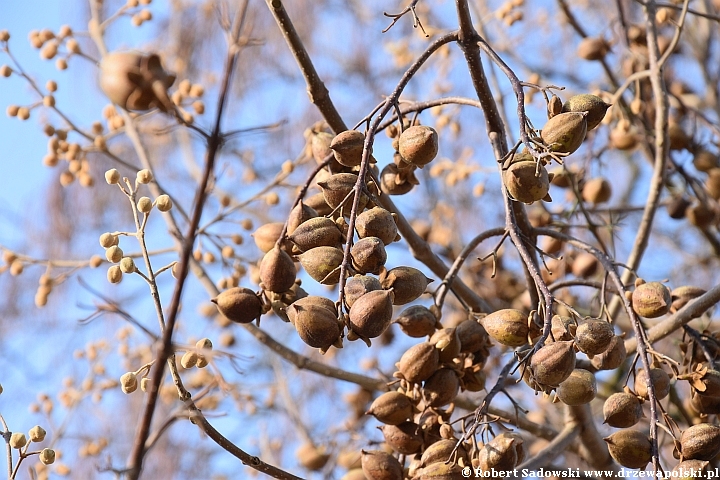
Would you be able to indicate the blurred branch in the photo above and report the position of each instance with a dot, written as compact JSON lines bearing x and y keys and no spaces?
{"x":555,"y":448}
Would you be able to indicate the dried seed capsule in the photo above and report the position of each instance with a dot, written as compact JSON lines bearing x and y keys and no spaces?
{"x":508,"y":327}
{"x":441,"y":388}
{"x":677,"y":206}
{"x":565,"y":133}
{"x":630,"y":448}
{"x":593,"y":48}
{"x":323,"y":264}
{"x":418,"y":145}
{"x":300,"y":214}
{"x":417,"y":321}
{"x":705,"y":161}
{"x":392,"y":182}
{"x":128,"y":382}
{"x":238,"y":304}
{"x":689,"y":469}
{"x":682,"y":295}
{"x":310,"y":300}
{"x":37,"y":434}
{"x":612,"y":357}
{"x":594,"y":336}
{"x":592,"y":104}
{"x":440,"y":451}
{"x":368,"y":255}
{"x":447,"y":342}
{"x":359,"y":285}
{"x":316,"y":325}
{"x":377,"y":222}
{"x":563,"y":328}
{"x":700,"y":215}
{"x":311,"y":457}
{"x":658,"y":378}
{"x":378,"y":465}
{"x":347,"y":147}
{"x":317,"y":202}
{"x":651,"y":300}
{"x":679,"y":139}
{"x":405,"y":438}
{"x":624,"y":138}
{"x":527,"y":182}
{"x":553,"y":363}
{"x":704,"y":380}
{"x":503,"y":452}
{"x":408,"y":284}
{"x":622,"y":410}
{"x":371,"y":314}
{"x":338,"y":189}
{"x":47,"y":456}
{"x":391,"y":408}
{"x":135,"y":81}
{"x":267,"y":235}
{"x":277,"y":271}
{"x":472,"y":336}
{"x":320,"y":147}
{"x":578,"y":389}
{"x":316,"y":232}
{"x":704,"y":404}
{"x":418,"y":362}
{"x":700,"y":442}
{"x":596,"y":190}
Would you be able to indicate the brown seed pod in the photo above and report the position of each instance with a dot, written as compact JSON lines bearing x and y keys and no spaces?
{"x":612,"y":357}
{"x":563,"y":328}
{"x":316,"y":232}
{"x":554,"y":106}
{"x":371,"y":314}
{"x":593,"y":336}
{"x":700,"y":442}
{"x":553,"y":363}
{"x":593,"y":48}
{"x":689,"y":469}
{"x":585,"y":265}
{"x":377,"y":222}
{"x":320,"y":146}
{"x":447,"y":342}
{"x":417,"y":321}
{"x":440,"y":471}
{"x":418,"y":362}
{"x":359,"y":285}
{"x":347,"y":147}
{"x":338,"y":188}
{"x":135,"y":81}
{"x":392,"y":408}
{"x":659,"y":379}
{"x":266,"y":236}
{"x":503,"y":452}
{"x":472,"y":336}
{"x":705,"y":161}
{"x":317,"y":202}
{"x":592,"y":104}
{"x":527,"y":182}
{"x":682,"y":295}
{"x":408,"y":283}
{"x":378,"y":465}
{"x":418,"y":145}
{"x":704,"y":380}
{"x":677,"y":206}
{"x":441,"y":451}
{"x":405,"y":438}
{"x":624,"y":138}
{"x":622,"y":410}
{"x":368,"y":255}
{"x":651,"y":300}
{"x":565,"y":133}
{"x":630,"y":448}
{"x":596,"y":190}
{"x":392,"y":182}
{"x":307,"y":301}
{"x":277,"y":271}
{"x":316,"y":324}
{"x":578,"y":389}
{"x":239,"y":304}
{"x":703,"y":404}
{"x":441,"y":388}
{"x":700,"y":215}
{"x":323,"y":264}
{"x":678,"y":139}
{"x":312,"y":457}
{"x":301,"y":213}
{"x":508,"y":327}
